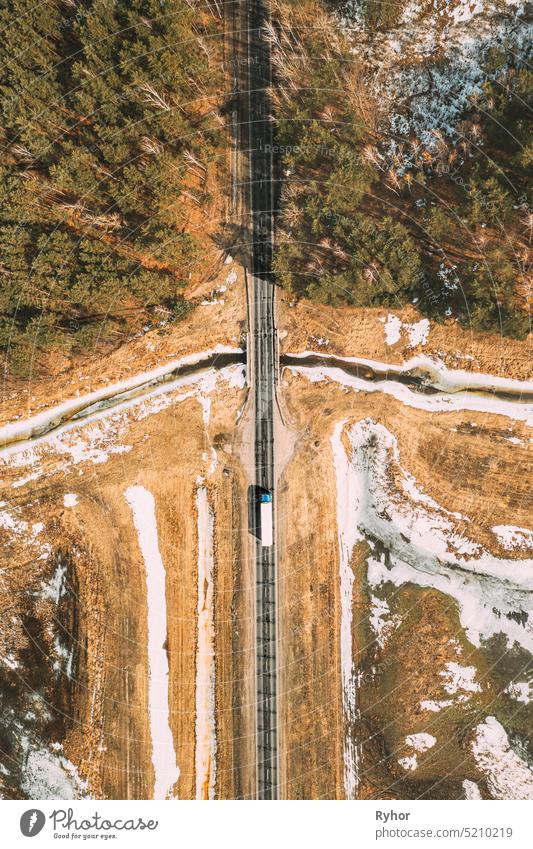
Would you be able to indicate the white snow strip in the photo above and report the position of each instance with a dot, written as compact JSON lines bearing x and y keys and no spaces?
{"x":350,"y":504}
{"x":166,"y":770}
{"x":508,"y":776}
{"x":206,"y":742}
{"x":381,"y":621}
{"x":436,"y":373}
{"x":70,"y":499}
{"x":27,"y":479}
{"x":93,"y":440}
{"x":437,"y":403}
{"x":55,"y":588}
{"x":511,"y":537}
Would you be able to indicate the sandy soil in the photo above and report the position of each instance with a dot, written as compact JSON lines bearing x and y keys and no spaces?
{"x":361,"y":332}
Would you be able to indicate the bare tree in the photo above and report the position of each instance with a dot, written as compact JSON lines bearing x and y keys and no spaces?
{"x":153,"y":97}
{"x":151,"y":146}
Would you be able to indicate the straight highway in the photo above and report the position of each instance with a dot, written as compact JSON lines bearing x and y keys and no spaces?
{"x":252,"y":79}
{"x":263,"y":341}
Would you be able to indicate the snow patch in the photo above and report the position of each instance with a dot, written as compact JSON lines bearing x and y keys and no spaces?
{"x":70,"y":499}
{"x":420,"y":742}
{"x":393,"y":329}
{"x":9,"y":661}
{"x":460,"y":678}
{"x":471,"y":789}
{"x":50,"y":776}
{"x":206,"y":742}
{"x":409,"y":763}
{"x":350,"y":503}
{"x":55,"y":588}
{"x":434,"y":706}
{"x":418,"y":332}
{"x":382,"y":623}
{"x":166,"y":770}
{"x":508,"y":776}
{"x":520,"y":691}
{"x":511,"y":537}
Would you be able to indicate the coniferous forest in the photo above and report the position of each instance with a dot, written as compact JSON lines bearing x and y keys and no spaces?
{"x":104,"y":108}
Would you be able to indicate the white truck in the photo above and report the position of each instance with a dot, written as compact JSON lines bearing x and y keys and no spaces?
{"x":265,"y":506}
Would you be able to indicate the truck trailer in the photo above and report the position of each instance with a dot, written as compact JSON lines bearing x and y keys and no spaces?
{"x":265,"y":517}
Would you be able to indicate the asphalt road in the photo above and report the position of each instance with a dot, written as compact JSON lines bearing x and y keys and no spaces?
{"x":258,"y":137}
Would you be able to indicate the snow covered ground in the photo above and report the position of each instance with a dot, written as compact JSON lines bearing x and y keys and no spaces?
{"x":493,"y":595}
{"x":426,"y":548}
{"x":348,"y":497}
{"x":508,"y":775}
{"x":425,"y":71}
{"x":521,"y":691}
{"x":206,"y":742}
{"x":166,"y":770}
{"x":49,"y":775}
